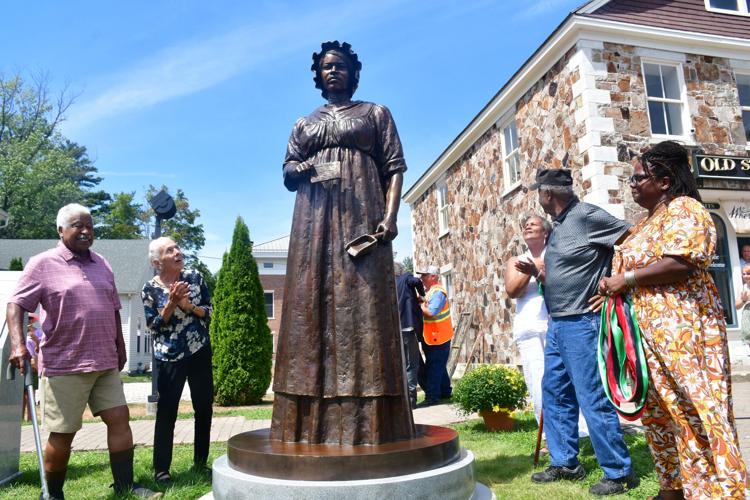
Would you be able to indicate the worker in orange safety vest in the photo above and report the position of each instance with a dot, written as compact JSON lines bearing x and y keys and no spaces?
{"x":436,"y":344}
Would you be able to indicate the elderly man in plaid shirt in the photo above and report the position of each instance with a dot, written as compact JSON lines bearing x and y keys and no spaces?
{"x":82,"y":348}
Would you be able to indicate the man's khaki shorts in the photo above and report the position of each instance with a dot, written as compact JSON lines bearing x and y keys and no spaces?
{"x":64,"y":398}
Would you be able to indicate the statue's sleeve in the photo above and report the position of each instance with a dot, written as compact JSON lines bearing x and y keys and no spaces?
{"x":294,"y":156}
{"x":390,"y":153}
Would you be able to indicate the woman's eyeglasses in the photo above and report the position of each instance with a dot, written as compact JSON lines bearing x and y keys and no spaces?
{"x":636,"y":179}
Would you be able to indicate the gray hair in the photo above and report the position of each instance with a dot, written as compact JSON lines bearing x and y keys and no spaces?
{"x":546,"y":226}
{"x":563,"y":190}
{"x":398,"y":268}
{"x":154,"y":250}
{"x":66,"y":213}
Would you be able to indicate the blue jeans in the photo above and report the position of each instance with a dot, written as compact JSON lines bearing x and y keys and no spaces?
{"x":437,"y":382}
{"x":571,"y":377}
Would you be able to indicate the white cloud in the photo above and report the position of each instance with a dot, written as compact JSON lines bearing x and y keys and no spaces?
{"x":196,"y":65}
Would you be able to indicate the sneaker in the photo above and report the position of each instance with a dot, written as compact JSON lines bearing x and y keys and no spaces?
{"x":556,"y":473}
{"x":143,"y":492}
{"x":614,"y":486}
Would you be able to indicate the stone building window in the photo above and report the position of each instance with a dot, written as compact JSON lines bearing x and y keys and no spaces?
{"x":741,"y":7}
{"x":743,"y":89}
{"x":268,"y":297}
{"x":665,"y":98}
{"x":511,"y":163}
{"x":442,"y":208}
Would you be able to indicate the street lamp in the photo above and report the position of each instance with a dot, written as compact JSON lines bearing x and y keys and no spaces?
{"x":164,"y":208}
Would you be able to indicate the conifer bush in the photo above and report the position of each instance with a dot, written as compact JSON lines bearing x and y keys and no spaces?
{"x":240,"y":337}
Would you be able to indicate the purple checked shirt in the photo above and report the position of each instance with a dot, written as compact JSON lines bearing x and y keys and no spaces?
{"x":80,"y":299}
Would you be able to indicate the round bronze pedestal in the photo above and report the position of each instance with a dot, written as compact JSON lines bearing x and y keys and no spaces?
{"x":254,"y":453}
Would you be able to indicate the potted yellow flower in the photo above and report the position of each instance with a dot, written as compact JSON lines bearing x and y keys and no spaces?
{"x":493,"y":391}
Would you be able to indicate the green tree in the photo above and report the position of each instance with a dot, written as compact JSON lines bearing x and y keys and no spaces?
{"x":208,"y":276}
{"x":40,"y":170}
{"x":240,"y":335}
{"x":408,"y":263}
{"x":119,"y":218}
{"x":16,"y":264}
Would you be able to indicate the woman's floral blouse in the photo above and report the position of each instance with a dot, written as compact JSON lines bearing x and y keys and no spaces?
{"x":185,"y":333}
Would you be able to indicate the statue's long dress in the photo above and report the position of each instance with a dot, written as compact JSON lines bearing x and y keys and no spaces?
{"x":339,"y":373}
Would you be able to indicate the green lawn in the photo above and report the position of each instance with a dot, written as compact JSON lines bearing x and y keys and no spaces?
{"x":128,"y":379}
{"x":503,"y":462}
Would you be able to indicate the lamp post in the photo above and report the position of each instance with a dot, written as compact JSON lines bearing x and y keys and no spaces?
{"x":164,"y":208}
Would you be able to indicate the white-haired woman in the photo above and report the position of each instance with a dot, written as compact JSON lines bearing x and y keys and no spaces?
{"x":522,"y":276}
{"x":178,"y":307}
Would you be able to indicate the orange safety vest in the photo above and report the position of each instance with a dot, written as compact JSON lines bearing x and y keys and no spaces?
{"x":438,"y":329}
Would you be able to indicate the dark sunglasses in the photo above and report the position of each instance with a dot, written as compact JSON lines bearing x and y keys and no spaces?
{"x":636,"y":179}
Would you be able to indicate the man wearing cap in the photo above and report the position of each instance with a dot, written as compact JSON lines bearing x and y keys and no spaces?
{"x":579,"y":254}
{"x":437,"y":335}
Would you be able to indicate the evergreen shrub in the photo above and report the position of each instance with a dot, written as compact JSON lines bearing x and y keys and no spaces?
{"x":240,"y":337}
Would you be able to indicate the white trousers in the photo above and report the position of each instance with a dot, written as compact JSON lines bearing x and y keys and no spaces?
{"x":531,"y":347}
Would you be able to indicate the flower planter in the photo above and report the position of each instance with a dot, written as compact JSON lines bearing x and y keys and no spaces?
{"x":497,"y":420}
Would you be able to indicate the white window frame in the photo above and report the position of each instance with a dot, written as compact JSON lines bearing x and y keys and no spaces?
{"x":446,"y":279}
{"x":742,"y":9}
{"x":683,"y":101}
{"x":273,"y":302}
{"x":508,"y":183}
{"x":743,"y":109}
{"x":268,"y":265}
{"x":441,"y":198}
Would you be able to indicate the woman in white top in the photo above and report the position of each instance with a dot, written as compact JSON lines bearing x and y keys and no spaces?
{"x":522,"y":275}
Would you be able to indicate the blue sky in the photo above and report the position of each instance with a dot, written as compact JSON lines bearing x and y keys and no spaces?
{"x":202,"y":95}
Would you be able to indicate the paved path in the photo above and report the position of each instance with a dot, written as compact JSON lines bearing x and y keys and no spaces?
{"x":93,"y":436}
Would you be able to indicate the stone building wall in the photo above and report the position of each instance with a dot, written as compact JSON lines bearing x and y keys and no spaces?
{"x":712,"y":100}
{"x":589,"y":114}
{"x":484,"y":220}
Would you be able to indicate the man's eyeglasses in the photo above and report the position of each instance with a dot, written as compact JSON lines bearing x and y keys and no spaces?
{"x":636,"y":179}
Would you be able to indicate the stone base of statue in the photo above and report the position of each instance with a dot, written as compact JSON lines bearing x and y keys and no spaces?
{"x":430,"y":466}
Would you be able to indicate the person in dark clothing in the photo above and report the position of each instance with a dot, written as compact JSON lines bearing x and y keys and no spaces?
{"x":408,"y":289}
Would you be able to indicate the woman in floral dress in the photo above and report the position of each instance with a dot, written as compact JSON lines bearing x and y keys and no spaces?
{"x":178,"y":307}
{"x":663,"y":265}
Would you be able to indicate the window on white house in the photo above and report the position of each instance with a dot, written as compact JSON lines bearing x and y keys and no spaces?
{"x":511,"y":162}
{"x":442,"y":207}
{"x":268,"y":296}
{"x":664,"y":93}
{"x":729,"y":6}
{"x":268,"y":265}
{"x":743,"y":89}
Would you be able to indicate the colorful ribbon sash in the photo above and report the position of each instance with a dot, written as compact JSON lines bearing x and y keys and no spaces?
{"x":622,"y":363}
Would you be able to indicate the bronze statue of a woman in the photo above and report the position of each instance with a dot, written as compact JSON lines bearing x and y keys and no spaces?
{"x":339,"y":371}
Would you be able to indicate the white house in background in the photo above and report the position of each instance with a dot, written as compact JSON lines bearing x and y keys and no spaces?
{"x":271,"y":258}
{"x":129,"y":261}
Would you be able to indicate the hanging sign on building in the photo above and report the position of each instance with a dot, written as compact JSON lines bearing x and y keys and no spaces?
{"x":739,"y":215}
{"x":722,"y":167}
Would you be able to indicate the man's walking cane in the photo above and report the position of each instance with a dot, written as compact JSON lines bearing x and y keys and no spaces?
{"x":539,"y":438}
{"x":28,"y":382}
